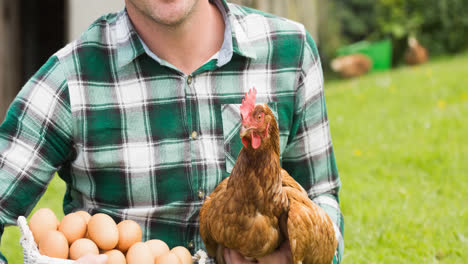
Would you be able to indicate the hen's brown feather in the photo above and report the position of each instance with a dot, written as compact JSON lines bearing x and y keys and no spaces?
{"x":210,"y":243}
{"x":318,"y":244}
{"x":240,"y":209}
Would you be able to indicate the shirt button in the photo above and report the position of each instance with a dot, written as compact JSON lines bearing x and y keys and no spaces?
{"x":194,"y":135}
{"x":190,"y":245}
{"x":189,"y":79}
{"x":201,"y":194}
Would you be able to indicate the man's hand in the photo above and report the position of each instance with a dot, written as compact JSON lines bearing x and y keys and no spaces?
{"x":234,"y":257}
{"x":92,"y":259}
{"x":281,"y":256}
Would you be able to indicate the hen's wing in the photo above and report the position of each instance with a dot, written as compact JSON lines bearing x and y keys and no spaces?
{"x":210,"y":243}
{"x":309,"y":229}
{"x":288,"y":181}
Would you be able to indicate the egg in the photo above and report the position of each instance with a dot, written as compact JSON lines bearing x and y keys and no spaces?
{"x":102,"y":229}
{"x":157,"y":247}
{"x":54,"y":244}
{"x":42,"y":221}
{"x":139,"y":253}
{"x":85,"y":215}
{"x":73,"y":226}
{"x":129,"y":234}
{"x":168,"y":258}
{"x":183,"y":254}
{"x":83,"y":247}
{"x":115,"y":257}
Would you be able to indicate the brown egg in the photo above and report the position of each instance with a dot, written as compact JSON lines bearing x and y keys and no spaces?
{"x":168,"y":258}
{"x":129,"y":234}
{"x":41,"y":221}
{"x":73,"y":226}
{"x":83,"y":247}
{"x":54,"y":244}
{"x":139,"y":253}
{"x":115,"y":257}
{"x":157,"y":247}
{"x":183,"y":254}
{"x":85,"y":215}
{"x":102,"y":229}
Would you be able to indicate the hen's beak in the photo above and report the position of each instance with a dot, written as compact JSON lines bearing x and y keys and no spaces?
{"x":244,"y":131}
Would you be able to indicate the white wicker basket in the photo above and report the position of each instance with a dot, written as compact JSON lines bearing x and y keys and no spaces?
{"x":32,"y":256}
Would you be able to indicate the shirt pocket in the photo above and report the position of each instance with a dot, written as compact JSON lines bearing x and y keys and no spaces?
{"x":231,"y":129}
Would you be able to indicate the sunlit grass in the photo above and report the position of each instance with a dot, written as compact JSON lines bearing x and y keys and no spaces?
{"x":401,"y":143}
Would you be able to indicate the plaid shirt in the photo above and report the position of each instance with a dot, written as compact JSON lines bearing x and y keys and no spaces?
{"x":137,"y":139}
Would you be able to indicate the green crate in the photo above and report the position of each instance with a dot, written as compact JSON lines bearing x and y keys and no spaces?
{"x":380,"y":53}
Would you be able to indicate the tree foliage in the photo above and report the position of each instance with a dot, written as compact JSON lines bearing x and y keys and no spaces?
{"x":440,"y":25}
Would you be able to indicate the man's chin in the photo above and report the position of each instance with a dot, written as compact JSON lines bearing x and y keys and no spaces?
{"x":172,"y":13}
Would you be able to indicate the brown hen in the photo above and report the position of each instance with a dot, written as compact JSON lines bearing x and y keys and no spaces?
{"x":259,"y":205}
{"x":415,"y":54}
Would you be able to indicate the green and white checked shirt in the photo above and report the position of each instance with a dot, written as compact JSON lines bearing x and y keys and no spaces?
{"x":134,"y":137}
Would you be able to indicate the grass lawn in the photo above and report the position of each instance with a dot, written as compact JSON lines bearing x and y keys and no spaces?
{"x":401,"y":143}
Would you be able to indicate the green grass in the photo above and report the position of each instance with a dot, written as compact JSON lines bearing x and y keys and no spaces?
{"x":401,"y":143}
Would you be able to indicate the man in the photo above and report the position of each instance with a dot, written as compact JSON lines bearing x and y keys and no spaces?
{"x":138,"y":116}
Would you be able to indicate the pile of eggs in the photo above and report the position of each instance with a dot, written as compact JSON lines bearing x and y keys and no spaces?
{"x":80,"y":234}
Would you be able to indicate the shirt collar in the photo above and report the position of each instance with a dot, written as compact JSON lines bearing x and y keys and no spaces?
{"x":130,"y":46}
{"x":240,"y":41}
{"x":125,"y":37}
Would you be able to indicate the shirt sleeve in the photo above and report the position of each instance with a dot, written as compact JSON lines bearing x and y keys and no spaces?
{"x":35,"y":139}
{"x":309,"y":156}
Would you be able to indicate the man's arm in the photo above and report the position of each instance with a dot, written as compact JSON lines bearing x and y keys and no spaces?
{"x":309,"y":156}
{"x":35,"y":140}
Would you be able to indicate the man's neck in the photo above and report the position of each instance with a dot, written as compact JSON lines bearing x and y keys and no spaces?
{"x":186,"y":45}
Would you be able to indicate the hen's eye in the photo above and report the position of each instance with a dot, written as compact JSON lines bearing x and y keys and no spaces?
{"x":259,"y":117}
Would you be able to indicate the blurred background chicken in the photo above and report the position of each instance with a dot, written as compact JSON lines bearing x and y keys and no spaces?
{"x":259,"y":206}
{"x":415,"y":54}
{"x":351,"y":65}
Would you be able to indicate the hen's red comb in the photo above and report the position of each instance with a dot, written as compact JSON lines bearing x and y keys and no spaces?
{"x":248,"y":103}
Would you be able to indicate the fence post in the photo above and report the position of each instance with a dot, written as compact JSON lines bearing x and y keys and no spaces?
{"x":303,"y":11}
{"x":10,"y":71}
